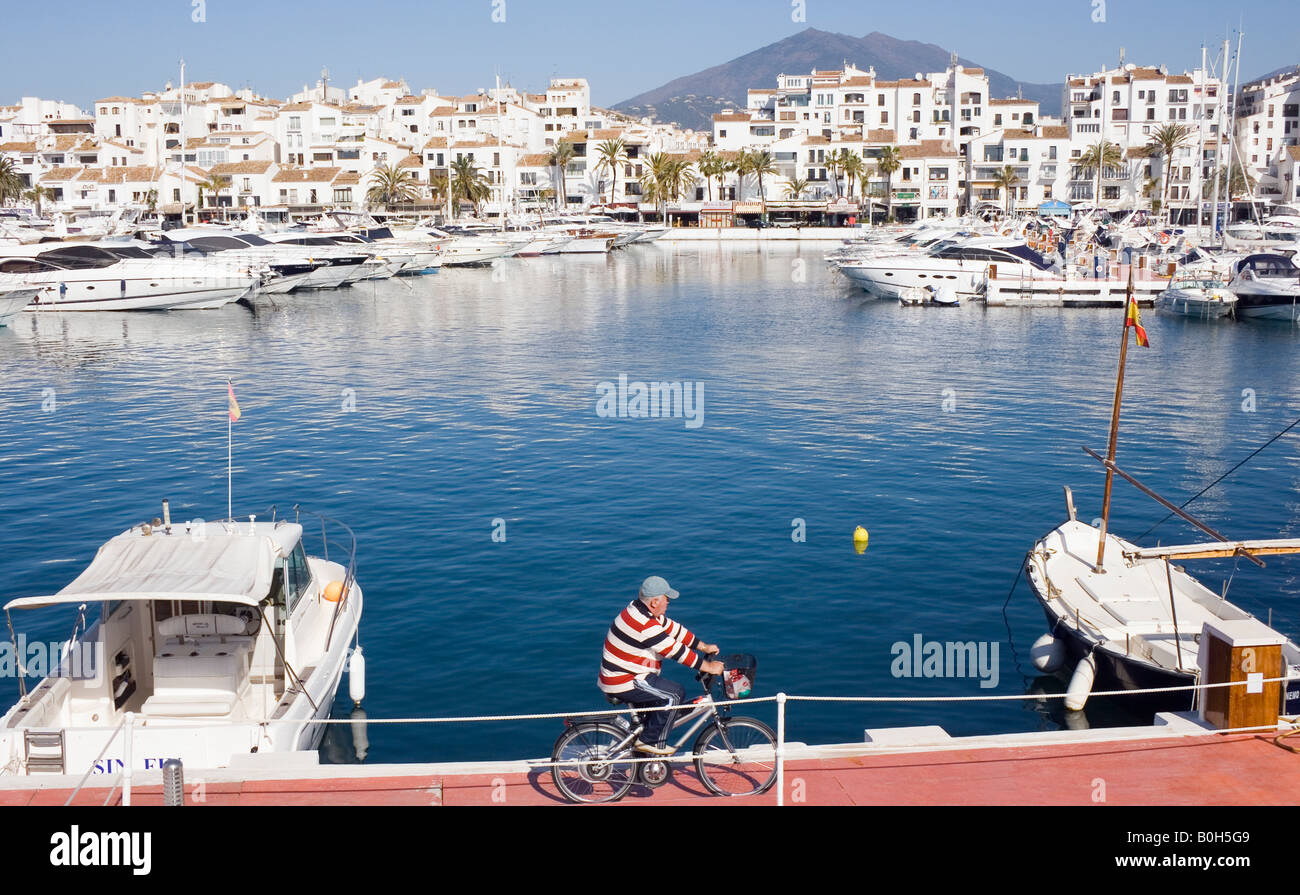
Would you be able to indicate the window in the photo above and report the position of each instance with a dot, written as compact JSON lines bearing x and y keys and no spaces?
{"x":884,"y":118}
{"x":343,"y":196}
{"x":297,"y":576}
{"x":997,"y":120}
{"x":880,"y":99}
{"x":295,"y":123}
{"x":916,"y":99}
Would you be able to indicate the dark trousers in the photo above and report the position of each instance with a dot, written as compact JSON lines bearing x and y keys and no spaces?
{"x":651,"y":691}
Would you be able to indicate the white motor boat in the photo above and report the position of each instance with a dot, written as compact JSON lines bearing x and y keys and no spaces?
{"x":1267,"y":287}
{"x":962,"y":266}
{"x":1202,"y":294}
{"x":221,"y":639}
{"x":83,"y":277}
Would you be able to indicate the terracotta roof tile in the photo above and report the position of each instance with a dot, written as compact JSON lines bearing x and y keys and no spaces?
{"x":61,"y":173}
{"x":306,"y":175}
{"x":242,"y":167}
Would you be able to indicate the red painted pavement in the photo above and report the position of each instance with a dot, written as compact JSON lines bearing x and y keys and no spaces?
{"x":1209,"y":770}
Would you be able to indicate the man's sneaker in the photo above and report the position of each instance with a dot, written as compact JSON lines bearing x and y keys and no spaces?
{"x":650,"y":749}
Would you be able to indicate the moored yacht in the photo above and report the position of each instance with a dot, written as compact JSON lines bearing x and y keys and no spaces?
{"x":960,"y":265}
{"x":83,"y":277}
{"x":1267,"y":286}
{"x":222,"y":639}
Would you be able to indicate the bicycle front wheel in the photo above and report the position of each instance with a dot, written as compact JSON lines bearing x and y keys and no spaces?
{"x":589,"y":767}
{"x":737,"y":757}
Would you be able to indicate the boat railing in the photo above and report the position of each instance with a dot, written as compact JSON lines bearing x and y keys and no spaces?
{"x":344,"y":540}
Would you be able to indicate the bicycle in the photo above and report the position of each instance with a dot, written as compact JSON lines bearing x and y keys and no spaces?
{"x":594,"y":761}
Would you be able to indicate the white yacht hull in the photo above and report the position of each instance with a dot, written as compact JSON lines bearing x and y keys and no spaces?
{"x":12,"y":303}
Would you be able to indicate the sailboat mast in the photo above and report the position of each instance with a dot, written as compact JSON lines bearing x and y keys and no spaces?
{"x":1114,"y":430}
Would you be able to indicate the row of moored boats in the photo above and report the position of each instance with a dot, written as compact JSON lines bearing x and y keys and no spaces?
{"x":209,"y":266}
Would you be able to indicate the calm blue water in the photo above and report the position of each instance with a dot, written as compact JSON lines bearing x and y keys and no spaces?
{"x":475,"y":399}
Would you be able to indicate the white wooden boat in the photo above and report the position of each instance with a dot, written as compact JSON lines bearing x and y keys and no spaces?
{"x":222,"y":639}
{"x":1127,"y":617}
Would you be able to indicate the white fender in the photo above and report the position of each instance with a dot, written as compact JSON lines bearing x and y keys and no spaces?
{"x":1076,"y":695}
{"x":357,"y":676}
{"x":1047,"y":653}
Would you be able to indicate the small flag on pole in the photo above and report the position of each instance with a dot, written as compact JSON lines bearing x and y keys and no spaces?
{"x":234,"y":405}
{"x":1135,"y":321}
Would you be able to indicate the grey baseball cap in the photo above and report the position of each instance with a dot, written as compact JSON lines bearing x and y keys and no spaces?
{"x":654,"y":586}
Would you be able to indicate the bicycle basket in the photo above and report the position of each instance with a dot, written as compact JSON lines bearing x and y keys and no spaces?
{"x":738,"y":675}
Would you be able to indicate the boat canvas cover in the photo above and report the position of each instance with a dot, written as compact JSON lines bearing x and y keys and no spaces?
{"x":223,"y":566}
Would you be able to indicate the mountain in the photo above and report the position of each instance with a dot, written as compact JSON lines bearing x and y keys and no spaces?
{"x":692,"y":100}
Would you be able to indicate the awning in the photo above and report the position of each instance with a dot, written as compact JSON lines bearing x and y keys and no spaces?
{"x":227,"y":564}
{"x":747,"y":208}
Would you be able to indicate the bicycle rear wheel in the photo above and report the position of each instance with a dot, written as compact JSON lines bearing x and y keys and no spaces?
{"x":589,"y":768}
{"x":737,"y":757}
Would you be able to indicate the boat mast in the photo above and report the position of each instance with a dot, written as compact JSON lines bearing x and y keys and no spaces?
{"x":1232,"y":140}
{"x":183,"y":145}
{"x":1218,"y":139}
{"x":1200,"y":147}
{"x":1114,"y":429}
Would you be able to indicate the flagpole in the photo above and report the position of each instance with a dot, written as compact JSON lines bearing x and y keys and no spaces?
{"x":1114,"y":428}
{"x":230,"y":428}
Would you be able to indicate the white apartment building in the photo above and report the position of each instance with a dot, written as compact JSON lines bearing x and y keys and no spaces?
{"x":1267,"y":128}
{"x":1126,"y":105}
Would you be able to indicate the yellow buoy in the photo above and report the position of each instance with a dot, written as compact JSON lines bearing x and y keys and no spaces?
{"x":860,"y":539}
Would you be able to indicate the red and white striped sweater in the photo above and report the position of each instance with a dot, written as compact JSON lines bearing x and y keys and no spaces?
{"x":638,"y":643}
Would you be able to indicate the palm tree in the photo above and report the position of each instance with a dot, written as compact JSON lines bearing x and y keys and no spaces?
{"x":611,"y":154}
{"x":1151,"y":190}
{"x":760,"y":163}
{"x":796,"y":188}
{"x":151,"y":201}
{"x":711,"y":165}
{"x":833,"y":168}
{"x":438,"y":187}
{"x":215,"y":185}
{"x":656,"y":182}
{"x":681,"y":179}
{"x":38,"y":194}
{"x":11,"y":182}
{"x":1167,"y":139}
{"x":390,"y":185}
{"x":889,"y":161}
{"x":1099,"y":157}
{"x":1239,"y":182}
{"x":559,"y":158}
{"x":741,"y":165}
{"x":468,"y":182}
{"x":1006,"y":179}
{"x":851,"y":162}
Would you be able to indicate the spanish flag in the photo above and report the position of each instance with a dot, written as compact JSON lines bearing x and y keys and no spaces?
{"x":234,"y":405}
{"x":1133,"y":320}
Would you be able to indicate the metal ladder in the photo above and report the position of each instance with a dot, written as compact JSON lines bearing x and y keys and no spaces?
{"x":45,"y":752}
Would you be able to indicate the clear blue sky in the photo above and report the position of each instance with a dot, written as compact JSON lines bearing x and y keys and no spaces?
{"x":83,"y":50}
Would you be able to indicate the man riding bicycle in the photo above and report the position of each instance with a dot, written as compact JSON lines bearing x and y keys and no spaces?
{"x":638,"y":641}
